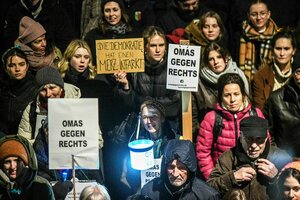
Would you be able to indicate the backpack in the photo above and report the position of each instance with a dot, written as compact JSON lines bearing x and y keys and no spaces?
{"x":218,"y":125}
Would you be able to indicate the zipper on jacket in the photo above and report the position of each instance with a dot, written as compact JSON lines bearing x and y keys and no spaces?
{"x":235,"y":128}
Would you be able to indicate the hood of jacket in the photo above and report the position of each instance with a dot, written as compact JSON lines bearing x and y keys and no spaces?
{"x":31,"y":171}
{"x":182,"y":150}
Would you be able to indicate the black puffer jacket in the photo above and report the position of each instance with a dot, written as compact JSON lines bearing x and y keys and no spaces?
{"x":174,"y":19}
{"x":152,"y":85}
{"x":283,"y":112}
{"x":15,"y":95}
{"x":193,"y":189}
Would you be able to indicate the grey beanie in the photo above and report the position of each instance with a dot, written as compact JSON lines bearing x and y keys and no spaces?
{"x":49,"y":75}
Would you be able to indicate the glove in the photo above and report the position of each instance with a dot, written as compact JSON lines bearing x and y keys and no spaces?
{"x":61,"y":189}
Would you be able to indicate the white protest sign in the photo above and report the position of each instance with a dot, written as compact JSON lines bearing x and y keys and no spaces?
{"x":73,"y":130}
{"x":79,"y":186}
{"x":183,"y":67}
{"x":149,"y":174}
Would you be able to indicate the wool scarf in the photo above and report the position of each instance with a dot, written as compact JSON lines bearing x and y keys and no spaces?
{"x":248,"y":62}
{"x":36,"y":59}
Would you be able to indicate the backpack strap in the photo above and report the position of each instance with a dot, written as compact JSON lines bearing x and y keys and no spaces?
{"x":252,"y":111}
{"x":218,"y":126}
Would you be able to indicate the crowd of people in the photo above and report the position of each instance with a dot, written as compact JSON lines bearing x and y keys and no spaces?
{"x":245,"y":114}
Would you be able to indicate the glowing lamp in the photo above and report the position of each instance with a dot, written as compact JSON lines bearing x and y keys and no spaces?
{"x":141,"y":154}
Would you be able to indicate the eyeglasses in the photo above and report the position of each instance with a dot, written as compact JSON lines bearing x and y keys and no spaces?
{"x":261,"y":14}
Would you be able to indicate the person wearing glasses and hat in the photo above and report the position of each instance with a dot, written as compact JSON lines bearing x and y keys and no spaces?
{"x":251,"y":166}
{"x":18,"y":172}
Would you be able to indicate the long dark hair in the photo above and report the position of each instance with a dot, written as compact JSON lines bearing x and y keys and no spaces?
{"x":229,"y":78}
{"x":103,"y":24}
{"x":289,"y":172}
{"x":215,"y":47}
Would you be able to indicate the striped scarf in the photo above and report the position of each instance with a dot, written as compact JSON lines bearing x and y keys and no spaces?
{"x":250,"y":36}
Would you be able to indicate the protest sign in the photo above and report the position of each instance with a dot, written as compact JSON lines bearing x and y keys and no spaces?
{"x":183,"y":67}
{"x":73,"y":131}
{"x":149,"y":174}
{"x":120,"y":54}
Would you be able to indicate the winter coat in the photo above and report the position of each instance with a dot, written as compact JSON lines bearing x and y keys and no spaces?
{"x":51,"y":16}
{"x":282,"y":109}
{"x":259,"y":188}
{"x":194,"y":189}
{"x":179,"y":19}
{"x":25,"y":126}
{"x":205,"y":98}
{"x":152,"y":84}
{"x":29,"y":186}
{"x":15,"y":95}
{"x":140,"y":14}
{"x":263,"y":83}
{"x":207,"y":152}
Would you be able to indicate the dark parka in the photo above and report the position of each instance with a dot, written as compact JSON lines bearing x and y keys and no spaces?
{"x":29,"y":186}
{"x":174,"y":18}
{"x":52,"y":17}
{"x":263,"y":83}
{"x":283,"y":113}
{"x":259,"y":188}
{"x":193,"y":189}
{"x":15,"y":95}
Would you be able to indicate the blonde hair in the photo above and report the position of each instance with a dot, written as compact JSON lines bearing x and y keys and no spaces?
{"x":94,"y":192}
{"x":64,"y":64}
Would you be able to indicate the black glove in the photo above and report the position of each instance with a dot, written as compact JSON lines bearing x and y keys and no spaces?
{"x":61,"y":189}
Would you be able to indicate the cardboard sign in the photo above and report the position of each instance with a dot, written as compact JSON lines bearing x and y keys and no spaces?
{"x":183,"y":67}
{"x":73,"y":131}
{"x":120,"y":54}
{"x":149,"y":174}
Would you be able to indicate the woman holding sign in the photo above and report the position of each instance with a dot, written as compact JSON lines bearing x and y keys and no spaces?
{"x":151,"y":84}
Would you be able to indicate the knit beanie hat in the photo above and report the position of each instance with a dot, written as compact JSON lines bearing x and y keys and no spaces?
{"x":13,"y":148}
{"x":29,"y":30}
{"x":296,"y":62}
{"x":49,"y":75}
{"x":156,"y":105}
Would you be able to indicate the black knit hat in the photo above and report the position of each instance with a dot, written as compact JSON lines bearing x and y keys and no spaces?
{"x":296,"y":62}
{"x":254,"y":126}
{"x":155,"y":104}
{"x":49,"y":75}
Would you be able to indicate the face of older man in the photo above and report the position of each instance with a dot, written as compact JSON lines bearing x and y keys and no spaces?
{"x":253,"y":146}
{"x":177,"y":173}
